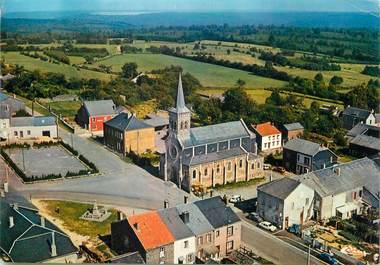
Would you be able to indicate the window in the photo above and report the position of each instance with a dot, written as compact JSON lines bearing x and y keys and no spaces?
{"x":306,"y":160}
{"x":200,"y":240}
{"x":258,"y":165}
{"x":265,"y":145}
{"x":230,"y":231}
{"x":186,"y":244}
{"x":278,"y":142}
{"x":230,"y":245}
{"x":298,"y":157}
{"x":354,"y":195}
{"x":15,"y":133}
{"x":181,"y":126}
{"x":360,"y":193}
{"x":205,"y":172}
{"x":217,"y":168}
{"x":268,"y":145}
{"x":217,"y":233}
{"x":186,"y":124}
{"x":229,"y":166}
{"x":194,"y":174}
{"x":241,"y":163}
{"x":278,"y":136}
{"x":208,"y":237}
{"x":28,"y":132}
{"x":253,"y":165}
{"x":189,"y":258}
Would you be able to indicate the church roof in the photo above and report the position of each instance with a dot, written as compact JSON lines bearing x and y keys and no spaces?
{"x":216,"y":133}
{"x":180,"y":103}
{"x":215,"y":156}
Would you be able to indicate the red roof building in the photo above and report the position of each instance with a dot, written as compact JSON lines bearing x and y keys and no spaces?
{"x":268,"y":137}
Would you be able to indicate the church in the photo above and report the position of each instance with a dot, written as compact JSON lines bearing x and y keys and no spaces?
{"x":208,"y":155}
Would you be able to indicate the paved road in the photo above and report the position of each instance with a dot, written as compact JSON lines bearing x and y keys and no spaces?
{"x":123,"y":183}
{"x":272,"y":248}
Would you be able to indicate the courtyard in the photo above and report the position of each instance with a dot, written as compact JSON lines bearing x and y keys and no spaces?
{"x":45,"y":161}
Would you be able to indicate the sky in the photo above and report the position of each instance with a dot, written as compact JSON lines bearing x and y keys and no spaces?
{"x":191,"y":5}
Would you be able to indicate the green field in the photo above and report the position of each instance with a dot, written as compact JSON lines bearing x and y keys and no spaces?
{"x":67,"y":109}
{"x":208,"y":74}
{"x":36,"y":64}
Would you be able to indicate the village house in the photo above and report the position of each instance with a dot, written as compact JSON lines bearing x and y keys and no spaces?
{"x":204,"y":230}
{"x":125,"y":133}
{"x":93,"y":114}
{"x":291,"y":131}
{"x":345,"y":189}
{"x":268,"y":138}
{"x":9,"y":106}
{"x":28,"y":237}
{"x":209,"y":155}
{"x":285,"y":202}
{"x":32,"y":127}
{"x":352,"y":116}
{"x":301,"y":156}
{"x":364,"y":140}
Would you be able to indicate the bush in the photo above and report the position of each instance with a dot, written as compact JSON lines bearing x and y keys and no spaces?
{"x":348,"y":235}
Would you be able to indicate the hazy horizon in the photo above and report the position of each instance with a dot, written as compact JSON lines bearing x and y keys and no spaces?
{"x":366,"y":6}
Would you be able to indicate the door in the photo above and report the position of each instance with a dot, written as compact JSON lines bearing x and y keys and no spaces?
{"x":46,"y":133}
{"x":286,"y":222}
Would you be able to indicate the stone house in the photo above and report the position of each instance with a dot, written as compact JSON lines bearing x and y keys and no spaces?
{"x":291,"y":131}
{"x":352,"y":116}
{"x":125,"y":133}
{"x":147,"y":234}
{"x":345,"y":189}
{"x":285,"y":202}
{"x":268,"y":137}
{"x":301,"y":156}
{"x":28,"y":237}
{"x":209,"y":155}
{"x":92,"y":114}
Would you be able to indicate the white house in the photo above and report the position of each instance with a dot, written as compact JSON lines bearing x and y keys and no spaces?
{"x":4,"y":128}
{"x":268,"y":137}
{"x":32,"y":127}
{"x":285,"y":202}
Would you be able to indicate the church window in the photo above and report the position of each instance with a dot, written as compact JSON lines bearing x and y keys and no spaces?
{"x":205,"y":172}
{"x":253,"y":166}
{"x":241,"y":163}
{"x":175,"y":126}
{"x":217,"y":168}
{"x":194,"y":174}
{"x":229,"y":166}
{"x":186,"y":124}
{"x":181,"y":125}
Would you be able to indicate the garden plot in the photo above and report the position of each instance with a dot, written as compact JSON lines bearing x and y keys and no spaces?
{"x":38,"y":162}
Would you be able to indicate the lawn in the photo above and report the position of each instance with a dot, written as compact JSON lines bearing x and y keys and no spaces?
{"x":36,"y":64}
{"x":208,"y":74}
{"x":143,"y":109}
{"x":69,"y":214}
{"x":67,"y":109}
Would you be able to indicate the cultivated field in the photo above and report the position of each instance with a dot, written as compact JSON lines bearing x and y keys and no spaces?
{"x":67,"y":109}
{"x":208,"y":74}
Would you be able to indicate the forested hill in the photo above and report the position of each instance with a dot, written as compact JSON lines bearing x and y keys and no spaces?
{"x":29,"y":22}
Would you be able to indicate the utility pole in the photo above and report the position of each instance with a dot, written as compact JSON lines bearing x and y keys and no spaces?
{"x":308,"y":255}
{"x":72,"y":140}
{"x":23,"y":158}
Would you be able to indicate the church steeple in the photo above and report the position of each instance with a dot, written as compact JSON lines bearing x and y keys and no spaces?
{"x":180,"y":104}
{"x":179,"y":117}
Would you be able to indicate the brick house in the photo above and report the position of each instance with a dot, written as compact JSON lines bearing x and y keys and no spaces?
{"x":268,"y":137}
{"x":125,"y":133}
{"x":92,"y":114}
{"x":301,"y":156}
{"x":291,"y":131}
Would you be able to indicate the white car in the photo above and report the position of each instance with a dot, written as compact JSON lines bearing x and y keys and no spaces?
{"x":267,"y":226}
{"x":267,"y":166}
{"x":235,"y":199}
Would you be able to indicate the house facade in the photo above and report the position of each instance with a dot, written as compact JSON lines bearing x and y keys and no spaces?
{"x":285,"y":202}
{"x":301,"y":156}
{"x":352,"y":116}
{"x":9,"y":106}
{"x":125,"y":133}
{"x":268,"y":137}
{"x":291,"y":131}
{"x":208,"y":155}
{"x":33,"y":127}
{"x":93,"y":114}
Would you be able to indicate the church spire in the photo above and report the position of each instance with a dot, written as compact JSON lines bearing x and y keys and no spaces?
{"x":180,"y":104}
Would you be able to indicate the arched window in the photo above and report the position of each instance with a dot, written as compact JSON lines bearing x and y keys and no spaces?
{"x":217,"y":168}
{"x":175,"y":126}
{"x":181,"y":127}
{"x":186,"y":124}
{"x":194,"y":174}
{"x":253,"y":166}
{"x":241,"y":163}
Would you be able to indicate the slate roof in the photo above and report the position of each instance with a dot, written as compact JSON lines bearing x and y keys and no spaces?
{"x":354,"y":174}
{"x":366,"y":141}
{"x":27,"y":240}
{"x":280,"y":188}
{"x":215,"y":156}
{"x":157,"y":121}
{"x":180,"y":102}
{"x":377,"y":117}
{"x":358,"y":129}
{"x":293,"y":126}
{"x":175,"y":224}
{"x":100,"y":107}
{"x":356,"y":112}
{"x":216,"y":212}
{"x":126,"y":122}
{"x":198,"y":223}
{"x":3,"y":96}
{"x":128,"y":258}
{"x":304,"y":146}
{"x":152,"y":232}
{"x":33,"y":121}
{"x":216,"y":133}
{"x":266,"y":129}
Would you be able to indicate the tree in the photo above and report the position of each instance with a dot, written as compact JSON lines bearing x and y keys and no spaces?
{"x":336,"y":80}
{"x":129,"y":70}
{"x":339,"y":138}
{"x":275,"y":99}
{"x":318,"y":77}
{"x":240,"y":83}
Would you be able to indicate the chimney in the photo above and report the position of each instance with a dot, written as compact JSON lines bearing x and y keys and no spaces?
{"x":185,"y":199}
{"x":185,"y":216}
{"x":11,"y":222}
{"x":42,"y":221}
{"x":53,"y":246}
{"x":166,"y":204}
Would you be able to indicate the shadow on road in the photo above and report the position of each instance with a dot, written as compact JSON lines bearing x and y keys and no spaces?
{"x":247,"y":206}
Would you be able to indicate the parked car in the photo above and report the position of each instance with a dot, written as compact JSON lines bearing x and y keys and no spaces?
{"x":326,"y":257}
{"x":235,"y":198}
{"x":295,"y":229}
{"x":267,"y":166}
{"x":280,"y":170}
{"x":255,"y":217}
{"x":267,"y":226}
